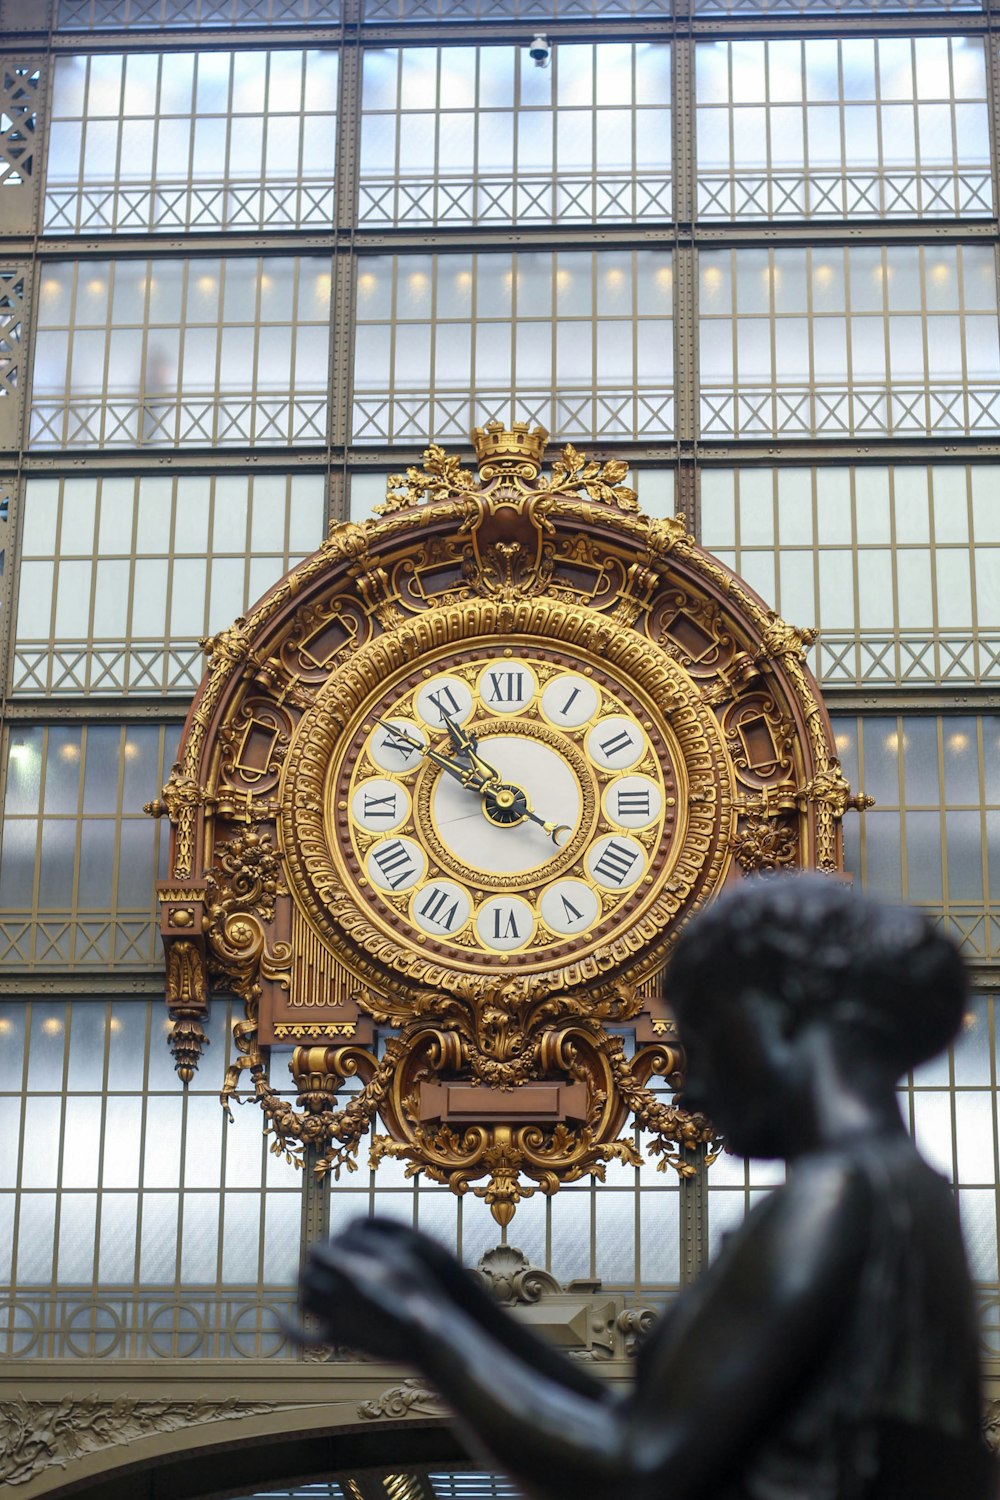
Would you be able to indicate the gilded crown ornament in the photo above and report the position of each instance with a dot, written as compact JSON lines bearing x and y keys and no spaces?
{"x":515,"y":449}
{"x":441,"y":817}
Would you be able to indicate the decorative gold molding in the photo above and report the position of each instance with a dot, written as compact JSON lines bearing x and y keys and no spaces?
{"x":180,"y":800}
{"x":560,"y":563}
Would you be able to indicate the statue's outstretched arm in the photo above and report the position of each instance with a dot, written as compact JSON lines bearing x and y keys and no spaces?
{"x":464,"y":1293}
{"x":738,"y":1344}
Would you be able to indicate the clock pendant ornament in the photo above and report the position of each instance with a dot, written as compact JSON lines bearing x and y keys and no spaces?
{"x":447,"y":797}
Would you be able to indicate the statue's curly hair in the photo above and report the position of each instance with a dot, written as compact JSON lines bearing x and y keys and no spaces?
{"x":813,"y":945}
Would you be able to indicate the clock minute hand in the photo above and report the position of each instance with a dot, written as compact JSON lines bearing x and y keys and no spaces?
{"x":459,"y":738}
{"x":467,"y":744}
{"x":475,"y":777}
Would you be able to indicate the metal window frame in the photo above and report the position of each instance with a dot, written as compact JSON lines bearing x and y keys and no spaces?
{"x":26,"y":33}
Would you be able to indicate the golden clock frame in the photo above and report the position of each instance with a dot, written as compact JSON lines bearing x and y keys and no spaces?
{"x":513,"y":1077}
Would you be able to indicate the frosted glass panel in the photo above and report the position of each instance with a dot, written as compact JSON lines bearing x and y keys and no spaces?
{"x":860,"y":128}
{"x":897,"y":566}
{"x":480,"y":135}
{"x":164,"y":353}
{"x":79,"y":859}
{"x":132,"y":573}
{"x":147,"y":161}
{"x":780,"y":329}
{"x":103,"y":1241}
{"x":932,"y":836}
{"x":573,"y":373}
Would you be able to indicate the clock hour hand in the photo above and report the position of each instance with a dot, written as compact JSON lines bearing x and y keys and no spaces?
{"x":552,"y":829}
{"x":507,"y":806}
{"x":466,"y":746}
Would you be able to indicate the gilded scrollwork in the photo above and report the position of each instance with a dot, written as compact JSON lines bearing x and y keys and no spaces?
{"x":254,"y":744}
{"x":779,"y":639}
{"x":180,"y":800}
{"x":761,"y":740}
{"x":830,"y":787}
{"x":763,"y":844}
{"x":453,"y":563}
{"x":247,"y":875}
{"x":410,"y":1399}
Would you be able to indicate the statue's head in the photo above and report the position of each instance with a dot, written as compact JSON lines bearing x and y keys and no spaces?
{"x":778,"y":956}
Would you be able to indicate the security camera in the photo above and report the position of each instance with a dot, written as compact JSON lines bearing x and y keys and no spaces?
{"x":540,"y":51}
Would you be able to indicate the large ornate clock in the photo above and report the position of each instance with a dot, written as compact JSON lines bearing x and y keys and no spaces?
{"x":447,"y":797}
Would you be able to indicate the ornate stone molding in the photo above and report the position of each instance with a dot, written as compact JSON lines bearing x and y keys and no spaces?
{"x":37,"y":1435}
{"x":508,"y":1274}
{"x":410,"y":1399}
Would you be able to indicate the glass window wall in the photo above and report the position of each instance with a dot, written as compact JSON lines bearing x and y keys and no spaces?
{"x":480,"y":135}
{"x":79,"y":858}
{"x":578,"y":340}
{"x":203,"y":352}
{"x":134,"y":1222}
{"x":897,"y":565}
{"x":933,"y":836}
{"x":860,"y":128}
{"x":121,"y":577}
{"x":849,"y":341}
{"x":173,"y":141}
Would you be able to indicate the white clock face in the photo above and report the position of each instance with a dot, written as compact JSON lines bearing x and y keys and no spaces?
{"x":509,"y":808}
{"x":552,"y":791}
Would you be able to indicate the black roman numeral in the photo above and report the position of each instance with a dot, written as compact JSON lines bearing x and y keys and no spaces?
{"x":615,"y":862}
{"x":618,"y":742}
{"x":380,"y":807}
{"x":393,"y":858}
{"x":391,"y":742}
{"x":501,"y":929}
{"x":437,"y":910}
{"x":633,"y":804}
{"x":569,"y":702}
{"x":571,"y":913}
{"x":506,"y":687}
{"x":450,"y":706}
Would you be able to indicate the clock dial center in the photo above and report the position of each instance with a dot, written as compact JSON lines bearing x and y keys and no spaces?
{"x":496,"y":832}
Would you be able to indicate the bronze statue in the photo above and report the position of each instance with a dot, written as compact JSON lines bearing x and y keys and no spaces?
{"x":830,"y":1350}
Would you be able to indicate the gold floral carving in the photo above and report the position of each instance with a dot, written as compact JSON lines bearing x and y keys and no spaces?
{"x":763,"y":844}
{"x":778,"y":638}
{"x":440,"y":477}
{"x":247,"y":869}
{"x":185,"y":975}
{"x":40,"y":1435}
{"x":830,"y":787}
{"x":574,"y":471}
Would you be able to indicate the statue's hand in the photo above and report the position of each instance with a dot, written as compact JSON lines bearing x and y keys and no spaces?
{"x":370,"y":1292}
